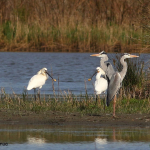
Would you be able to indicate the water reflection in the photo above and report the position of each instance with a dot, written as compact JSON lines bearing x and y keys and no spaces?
{"x":36,"y":140}
{"x":66,"y":137}
{"x":100,"y":142}
{"x":46,"y":134}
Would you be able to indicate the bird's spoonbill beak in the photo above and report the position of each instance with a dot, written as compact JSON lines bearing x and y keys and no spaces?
{"x":50,"y":76}
{"x":93,"y":75}
{"x":95,"y":55}
{"x":133,"y":56}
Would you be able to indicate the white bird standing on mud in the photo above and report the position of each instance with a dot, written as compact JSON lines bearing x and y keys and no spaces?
{"x":101,"y":83}
{"x":38,"y":80}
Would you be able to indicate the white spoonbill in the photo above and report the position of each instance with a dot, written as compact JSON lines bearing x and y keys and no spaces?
{"x":38,"y":80}
{"x":101,"y":83}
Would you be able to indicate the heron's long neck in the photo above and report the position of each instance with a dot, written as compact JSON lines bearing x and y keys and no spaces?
{"x":102,"y":63}
{"x":124,"y":69}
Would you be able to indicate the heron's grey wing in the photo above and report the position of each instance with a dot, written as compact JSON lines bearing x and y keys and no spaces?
{"x":113,"y":87}
{"x":110,"y":70}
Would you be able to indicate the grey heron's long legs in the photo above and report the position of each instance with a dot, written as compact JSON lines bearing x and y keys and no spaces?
{"x":114,"y":108}
{"x":114,"y":105}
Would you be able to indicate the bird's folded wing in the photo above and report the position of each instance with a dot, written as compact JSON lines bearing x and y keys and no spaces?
{"x":36,"y":81}
{"x":110,"y":70}
{"x":113,"y":87}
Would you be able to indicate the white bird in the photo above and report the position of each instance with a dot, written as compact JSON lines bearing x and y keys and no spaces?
{"x":38,"y":80}
{"x":101,"y":83}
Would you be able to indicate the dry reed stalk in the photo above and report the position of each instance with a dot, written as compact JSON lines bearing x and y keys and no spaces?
{"x":64,"y":25}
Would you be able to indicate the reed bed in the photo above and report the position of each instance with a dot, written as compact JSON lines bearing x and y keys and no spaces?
{"x":74,"y":25}
{"x":84,"y":106}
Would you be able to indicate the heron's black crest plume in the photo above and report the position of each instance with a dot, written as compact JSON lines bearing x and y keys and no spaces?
{"x":126,"y":54}
{"x":103,"y":52}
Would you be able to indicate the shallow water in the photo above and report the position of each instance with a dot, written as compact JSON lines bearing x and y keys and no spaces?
{"x":71,"y":69}
{"x":83,"y":138}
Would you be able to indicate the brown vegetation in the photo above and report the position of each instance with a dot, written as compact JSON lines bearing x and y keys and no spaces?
{"x":75,"y":25}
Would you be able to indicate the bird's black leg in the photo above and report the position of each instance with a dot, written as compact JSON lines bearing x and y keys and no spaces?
{"x":35,"y":94}
{"x":39,"y":94}
{"x":96,"y":99}
{"x":104,"y":103}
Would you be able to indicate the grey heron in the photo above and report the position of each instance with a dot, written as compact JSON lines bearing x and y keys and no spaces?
{"x":115,"y":78}
{"x":38,"y":80}
{"x":104,"y":64}
{"x":101,"y":83}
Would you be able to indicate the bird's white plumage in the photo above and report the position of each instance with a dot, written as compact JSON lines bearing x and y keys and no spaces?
{"x":38,"y":80}
{"x":101,"y":84}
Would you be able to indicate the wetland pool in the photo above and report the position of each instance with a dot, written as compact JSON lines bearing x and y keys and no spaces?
{"x":71,"y":70}
{"x":75,"y":138}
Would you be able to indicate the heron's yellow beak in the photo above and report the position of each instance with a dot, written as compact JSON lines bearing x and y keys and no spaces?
{"x":134,"y":56}
{"x":89,"y":79}
{"x":94,"y":55}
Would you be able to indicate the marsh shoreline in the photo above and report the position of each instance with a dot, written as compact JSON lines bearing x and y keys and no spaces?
{"x":56,"y":118}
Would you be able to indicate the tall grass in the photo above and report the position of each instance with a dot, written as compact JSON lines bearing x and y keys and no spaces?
{"x":69,"y":103}
{"x":71,"y":38}
{"x":70,"y":25}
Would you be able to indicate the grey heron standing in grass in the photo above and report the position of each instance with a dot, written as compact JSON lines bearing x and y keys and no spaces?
{"x":38,"y":80}
{"x":115,"y":78}
{"x":106,"y":67}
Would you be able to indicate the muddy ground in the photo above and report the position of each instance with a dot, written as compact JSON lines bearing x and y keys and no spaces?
{"x":60,"y":118}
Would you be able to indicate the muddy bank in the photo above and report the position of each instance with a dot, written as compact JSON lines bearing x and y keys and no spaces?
{"x":60,"y":118}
